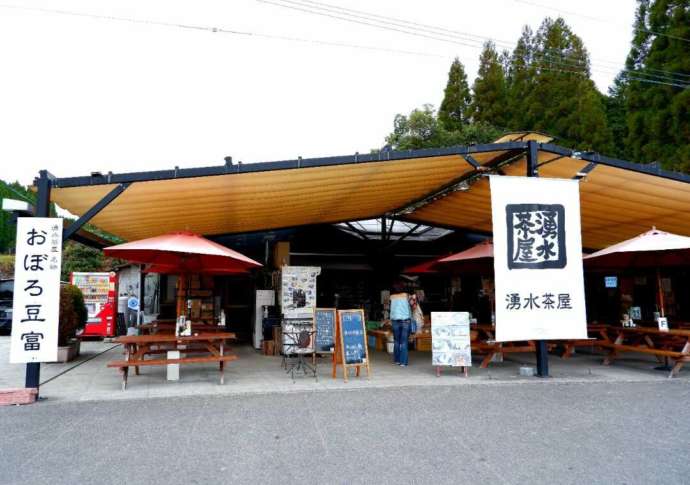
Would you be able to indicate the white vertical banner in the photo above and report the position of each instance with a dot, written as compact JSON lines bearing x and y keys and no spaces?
{"x":36,"y":308}
{"x":537,"y":259}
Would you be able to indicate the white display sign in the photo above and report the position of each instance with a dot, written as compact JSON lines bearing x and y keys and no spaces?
{"x":36,"y":309}
{"x":537,"y":259}
{"x":450,"y":339}
{"x":663,"y":324}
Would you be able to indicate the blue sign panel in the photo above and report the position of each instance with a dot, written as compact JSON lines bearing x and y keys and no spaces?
{"x":354,"y":336}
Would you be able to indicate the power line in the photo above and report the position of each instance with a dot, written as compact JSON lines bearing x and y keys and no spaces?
{"x":361,"y":22}
{"x":219,"y":30}
{"x":397,"y":25}
{"x":560,"y":61}
{"x":330,"y":8}
{"x":599,"y":19}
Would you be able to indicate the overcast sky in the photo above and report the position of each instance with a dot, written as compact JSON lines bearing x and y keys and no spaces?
{"x":80,"y":94}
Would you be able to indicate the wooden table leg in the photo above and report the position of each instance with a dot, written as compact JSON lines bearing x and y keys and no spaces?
{"x":125,"y":371}
{"x":487,"y":360}
{"x":612,"y":353}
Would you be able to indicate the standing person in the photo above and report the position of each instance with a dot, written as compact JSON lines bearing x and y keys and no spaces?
{"x":400,"y":319}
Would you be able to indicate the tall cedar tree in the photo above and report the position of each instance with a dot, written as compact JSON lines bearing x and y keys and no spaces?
{"x":561,"y":99}
{"x":520,"y":79}
{"x":658,"y":114}
{"x":490,"y":92}
{"x":454,"y":110}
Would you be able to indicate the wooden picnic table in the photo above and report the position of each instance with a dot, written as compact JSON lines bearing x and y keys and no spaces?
{"x":484,"y":343}
{"x":137,"y":347}
{"x":597,"y":334}
{"x":670,"y":344}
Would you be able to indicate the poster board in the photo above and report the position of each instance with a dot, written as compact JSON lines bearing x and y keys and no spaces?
{"x":351,"y":348}
{"x":298,"y":290}
{"x":537,"y":259}
{"x":450,"y":339}
{"x":36,"y":305}
{"x":324,"y":324}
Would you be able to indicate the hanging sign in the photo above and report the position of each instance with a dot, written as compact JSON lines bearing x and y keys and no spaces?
{"x":537,"y":259}
{"x":324,"y":324}
{"x":38,"y":260}
{"x":450,"y":339}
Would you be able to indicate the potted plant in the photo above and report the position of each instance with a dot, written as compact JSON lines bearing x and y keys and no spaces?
{"x":73,"y":315}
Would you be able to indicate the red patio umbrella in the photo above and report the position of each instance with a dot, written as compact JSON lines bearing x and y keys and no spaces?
{"x":652,"y":249}
{"x":182,"y":253}
{"x":477,"y":259}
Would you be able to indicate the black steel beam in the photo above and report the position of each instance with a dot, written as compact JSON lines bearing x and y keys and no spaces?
{"x":583,"y":173}
{"x":41,"y":209}
{"x":475,"y":164}
{"x":403,"y":237}
{"x":98,"y":207}
{"x":444,"y":189}
{"x":613,"y":162}
{"x":357,"y":231}
{"x":541,"y":349}
{"x":179,"y":173}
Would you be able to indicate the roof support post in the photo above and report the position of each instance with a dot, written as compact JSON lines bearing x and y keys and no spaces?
{"x":532,"y":171}
{"x":44,"y":183}
{"x":88,"y":215}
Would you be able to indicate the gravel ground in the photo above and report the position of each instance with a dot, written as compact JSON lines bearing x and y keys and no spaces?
{"x":542,"y":432}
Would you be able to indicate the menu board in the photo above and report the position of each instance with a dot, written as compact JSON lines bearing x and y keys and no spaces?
{"x":450,"y":339}
{"x":324,"y":323}
{"x":353,"y":336}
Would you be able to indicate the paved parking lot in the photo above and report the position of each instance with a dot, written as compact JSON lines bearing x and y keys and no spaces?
{"x":613,"y":433}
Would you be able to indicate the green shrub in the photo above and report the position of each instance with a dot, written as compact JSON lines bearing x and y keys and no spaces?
{"x":73,"y":313}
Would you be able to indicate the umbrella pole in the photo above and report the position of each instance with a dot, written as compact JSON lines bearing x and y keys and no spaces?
{"x":660,"y":293}
{"x":181,"y":292}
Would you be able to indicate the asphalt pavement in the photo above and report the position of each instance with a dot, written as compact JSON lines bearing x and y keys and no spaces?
{"x":540,"y":432}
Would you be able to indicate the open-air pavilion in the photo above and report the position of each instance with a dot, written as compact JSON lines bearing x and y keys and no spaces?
{"x":443,"y":188}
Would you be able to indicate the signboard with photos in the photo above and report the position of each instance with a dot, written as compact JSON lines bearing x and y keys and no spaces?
{"x":450,"y":339}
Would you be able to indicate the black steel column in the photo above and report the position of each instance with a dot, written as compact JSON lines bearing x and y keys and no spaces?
{"x":42,"y":209}
{"x":542,"y":351}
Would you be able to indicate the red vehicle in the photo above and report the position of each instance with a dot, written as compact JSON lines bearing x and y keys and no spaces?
{"x":99,"y":297}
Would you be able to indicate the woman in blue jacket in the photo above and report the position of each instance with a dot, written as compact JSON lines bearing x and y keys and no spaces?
{"x":401,"y":315}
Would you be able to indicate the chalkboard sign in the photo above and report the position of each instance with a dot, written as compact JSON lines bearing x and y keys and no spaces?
{"x":354,"y":336}
{"x":351,"y":343}
{"x":324,"y":323}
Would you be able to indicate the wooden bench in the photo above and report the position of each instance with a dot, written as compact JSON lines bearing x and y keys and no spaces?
{"x":670,"y":344}
{"x":124,"y":365}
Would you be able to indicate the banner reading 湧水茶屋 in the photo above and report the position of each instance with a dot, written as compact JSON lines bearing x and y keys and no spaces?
{"x":537,"y":259}
{"x":36,"y":307}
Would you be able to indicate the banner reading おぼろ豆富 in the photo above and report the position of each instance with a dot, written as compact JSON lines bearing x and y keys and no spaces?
{"x":537,"y":259}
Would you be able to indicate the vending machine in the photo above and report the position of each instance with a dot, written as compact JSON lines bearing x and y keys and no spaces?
{"x":99,"y":297}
